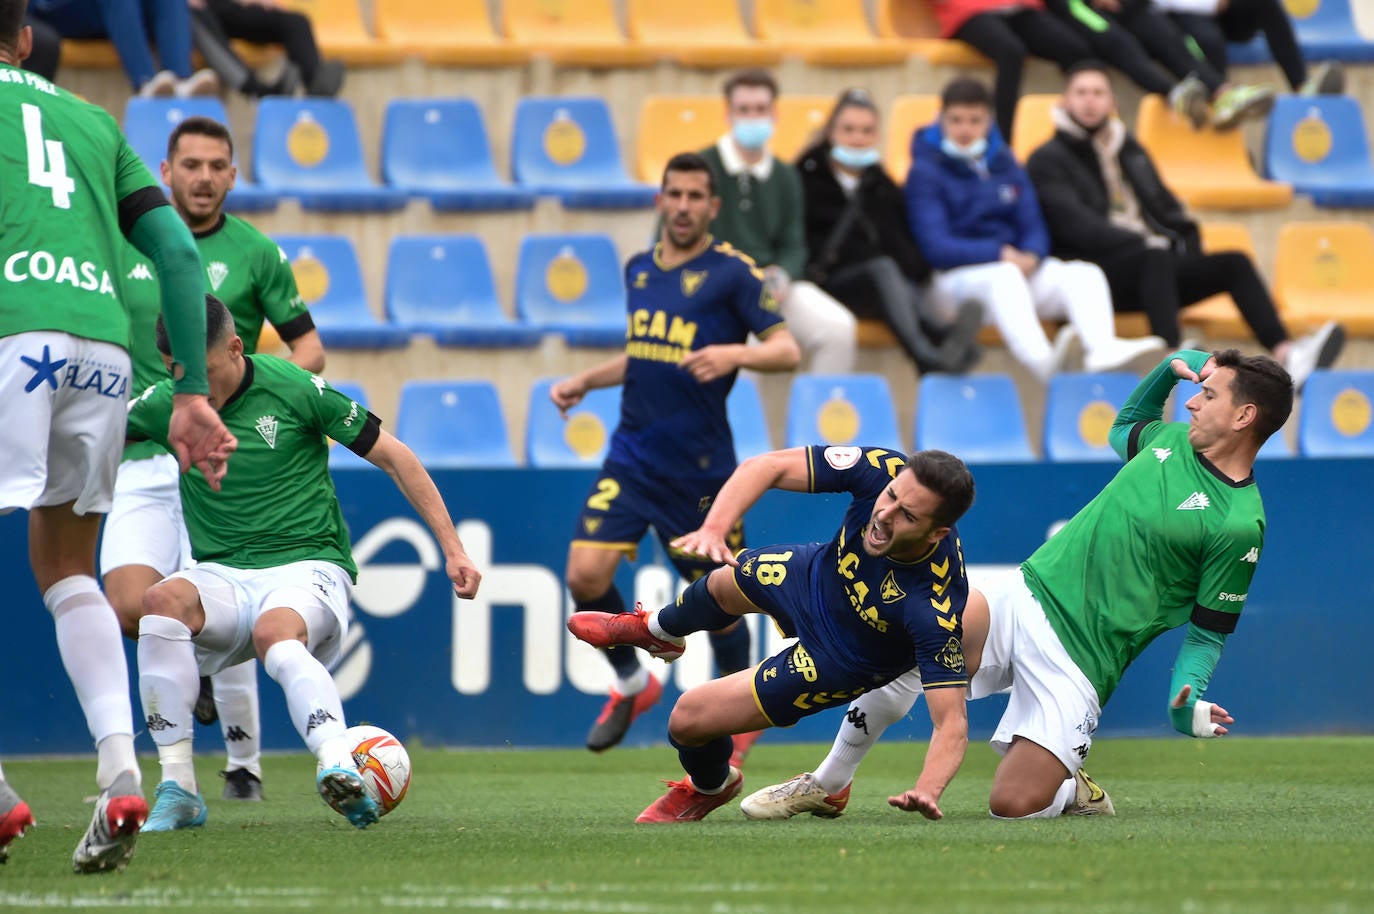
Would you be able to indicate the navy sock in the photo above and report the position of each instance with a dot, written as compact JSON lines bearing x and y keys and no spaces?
{"x":731,"y":648}
{"x":695,"y":611}
{"x":622,"y":657}
{"x":708,"y":765}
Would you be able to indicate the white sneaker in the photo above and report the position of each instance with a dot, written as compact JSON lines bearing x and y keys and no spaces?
{"x":1318,"y":349}
{"x":162,"y":85}
{"x":1117,"y":354}
{"x":1067,"y":348}
{"x":201,"y":82}
{"x":801,"y":794}
{"x":120,"y":812}
{"x":1089,"y":799}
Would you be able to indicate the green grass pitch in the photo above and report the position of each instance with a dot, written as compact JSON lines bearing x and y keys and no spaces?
{"x":1234,"y":825}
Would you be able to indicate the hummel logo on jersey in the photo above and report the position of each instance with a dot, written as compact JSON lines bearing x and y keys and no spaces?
{"x":1195,"y":502}
{"x":1163,"y":453}
{"x":218,"y":271}
{"x":1252,"y":556}
{"x":267,"y":428}
{"x":318,"y":718}
{"x":236,"y":734}
{"x":140,"y":271}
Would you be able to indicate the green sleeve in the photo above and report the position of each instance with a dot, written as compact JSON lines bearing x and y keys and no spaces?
{"x":1146,"y":402}
{"x":275,"y":287}
{"x":791,"y":246}
{"x":161,"y":236}
{"x":1197,"y":660}
{"x":151,"y":413}
{"x":130,"y":173}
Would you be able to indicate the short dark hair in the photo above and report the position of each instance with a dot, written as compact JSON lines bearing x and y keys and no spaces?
{"x":690,"y":161}
{"x":1261,"y":380}
{"x":1086,"y":66}
{"x":219,"y":326}
{"x":11,"y":23}
{"x":199,"y":125}
{"x":754,"y":79}
{"x":965,"y":91}
{"x":948,"y":477}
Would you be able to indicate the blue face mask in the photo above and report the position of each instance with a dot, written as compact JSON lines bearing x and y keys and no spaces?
{"x":752,"y":132}
{"x":973,"y":150}
{"x":852,"y":157}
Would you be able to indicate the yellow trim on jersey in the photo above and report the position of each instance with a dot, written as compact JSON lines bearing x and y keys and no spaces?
{"x":658,"y":247}
{"x":768,"y":331}
{"x":810,"y":471}
{"x":934,"y":546}
{"x":631,"y":550}
{"x":955,"y":684}
{"x":753,"y":687}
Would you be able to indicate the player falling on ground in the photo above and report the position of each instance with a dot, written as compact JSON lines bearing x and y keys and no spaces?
{"x":692,"y":303}
{"x":144,"y":539}
{"x":272,"y":575}
{"x":1173,"y":539}
{"x":884,"y":596}
{"x":73,"y":192}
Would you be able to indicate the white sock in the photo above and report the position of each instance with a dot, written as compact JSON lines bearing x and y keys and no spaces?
{"x":177,"y":764}
{"x":2,"y":772}
{"x":114,"y":756}
{"x":656,"y":630}
{"x":634,"y":684}
{"x":312,"y":699}
{"x":92,"y":651}
{"x":865,"y":720}
{"x":236,"y":700}
{"x":168,"y":681}
{"x":1062,"y":798}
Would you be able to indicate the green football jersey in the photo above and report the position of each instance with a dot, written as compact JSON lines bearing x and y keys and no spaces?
{"x":1169,"y":533}
{"x":142,"y":297}
{"x":277,"y":503}
{"x":65,"y":170}
{"x":249,"y":273}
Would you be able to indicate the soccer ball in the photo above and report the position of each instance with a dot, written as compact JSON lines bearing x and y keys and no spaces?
{"x":383,"y":763}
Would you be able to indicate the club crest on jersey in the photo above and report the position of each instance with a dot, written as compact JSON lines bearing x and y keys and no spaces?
{"x":267,"y":428}
{"x":691,"y":281}
{"x":642,"y":279}
{"x":591,"y":525}
{"x":1195,"y":502}
{"x":218,"y":271}
{"x":889,"y":590}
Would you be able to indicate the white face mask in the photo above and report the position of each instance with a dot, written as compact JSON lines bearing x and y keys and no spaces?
{"x":973,"y":150}
{"x":752,"y":132}
{"x":853,"y":157}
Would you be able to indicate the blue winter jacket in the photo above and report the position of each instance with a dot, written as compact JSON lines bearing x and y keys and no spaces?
{"x":961,"y":217}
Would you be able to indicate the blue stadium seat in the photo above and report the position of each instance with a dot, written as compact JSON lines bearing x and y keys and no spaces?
{"x":841,"y":409}
{"x":566,"y":148}
{"x":748,"y":422}
{"x":331,"y":282}
{"x":1254,"y":51}
{"x":1079,"y":411}
{"x":1329,"y":31}
{"x":454,"y":424}
{"x":1335,"y":419}
{"x":1319,"y":146}
{"x":572,"y":285}
{"x":149,"y":121}
{"x":310,"y":149}
{"x":1276,"y":448}
{"x":437,"y":148}
{"x":441,"y":285}
{"x":581,"y":440}
{"x":975,"y":417}
{"x":340,"y":456}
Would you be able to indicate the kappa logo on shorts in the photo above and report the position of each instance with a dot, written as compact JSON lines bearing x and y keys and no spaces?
{"x":267,"y":428}
{"x":323,"y":582}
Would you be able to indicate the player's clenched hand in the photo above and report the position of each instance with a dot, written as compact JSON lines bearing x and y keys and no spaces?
{"x":566,"y":394}
{"x":1181,"y":369}
{"x":708,"y":544}
{"x":464,"y":575}
{"x":1208,"y":718}
{"x":917,"y":801}
{"x":711,"y":362}
{"x":199,"y":437}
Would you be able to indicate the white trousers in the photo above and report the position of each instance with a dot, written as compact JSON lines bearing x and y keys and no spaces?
{"x":824,"y":328}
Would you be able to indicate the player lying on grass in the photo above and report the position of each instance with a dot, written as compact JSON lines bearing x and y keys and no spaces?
{"x":273,"y":564}
{"x":884,"y":596}
{"x":1173,"y":539}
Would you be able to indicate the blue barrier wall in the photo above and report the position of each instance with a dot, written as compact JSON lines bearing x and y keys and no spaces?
{"x":502,"y":670}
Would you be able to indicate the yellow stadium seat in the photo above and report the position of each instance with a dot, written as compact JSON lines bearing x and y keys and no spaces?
{"x":704,"y":33}
{"x":826,"y":32}
{"x":669,"y":124}
{"x":453,"y":32}
{"x":1207,"y":169}
{"x":800,"y":121}
{"x":581,"y":33}
{"x":909,"y":114}
{"x":1034,"y":125}
{"x":341,"y":33}
{"x":99,"y":54}
{"x":914,"y":24}
{"x":1325,"y":271}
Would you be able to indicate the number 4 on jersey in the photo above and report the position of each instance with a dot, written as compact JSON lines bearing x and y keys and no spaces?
{"x":47,"y":159}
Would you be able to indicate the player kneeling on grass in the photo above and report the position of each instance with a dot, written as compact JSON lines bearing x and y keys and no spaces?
{"x":1174,"y":539}
{"x":884,"y":596}
{"x":274,"y":564}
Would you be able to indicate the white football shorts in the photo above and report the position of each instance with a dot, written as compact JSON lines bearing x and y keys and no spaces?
{"x":145,"y":525}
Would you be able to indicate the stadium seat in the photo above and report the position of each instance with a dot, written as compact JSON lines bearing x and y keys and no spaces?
{"x":1079,"y":411}
{"x":437,"y":148}
{"x":800,"y":121}
{"x":1335,"y":417}
{"x":566,"y":148}
{"x":1319,"y":146}
{"x":572,"y":285}
{"x":748,"y":421}
{"x":669,"y":124}
{"x":914,"y":24}
{"x":580,"y":440}
{"x":310,"y":149}
{"x":455,"y":32}
{"x":1207,"y":169}
{"x":331,"y":282}
{"x":441,"y":285}
{"x":340,"y":32}
{"x":1034,"y":124}
{"x":977,"y":417}
{"x":454,"y":424}
{"x":582,"y":33}
{"x":149,"y":121}
{"x":340,"y":456}
{"x":705,"y":33}
{"x":1325,"y":271}
{"x":1328,"y":29}
{"x":826,"y":33}
{"x":841,"y":409}
{"x":909,"y":114}
{"x":1276,"y":448}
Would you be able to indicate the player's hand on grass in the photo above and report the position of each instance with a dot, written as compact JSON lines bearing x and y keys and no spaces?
{"x":464,"y":575}
{"x":199,"y":437}
{"x":708,"y":544}
{"x":1208,"y":718}
{"x":566,"y":394}
{"x":917,"y":801}
{"x":711,"y":362}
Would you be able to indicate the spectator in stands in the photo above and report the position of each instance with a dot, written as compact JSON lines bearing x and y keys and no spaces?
{"x":975,"y":217}
{"x":47,"y":49}
{"x":762,"y":214}
{"x":215,"y":22}
{"x":1213,"y":23}
{"x":860,"y":241}
{"x":128,"y":25}
{"x":1131,"y":32}
{"x":1006,"y":31}
{"x":1104,"y":202}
